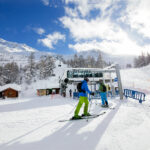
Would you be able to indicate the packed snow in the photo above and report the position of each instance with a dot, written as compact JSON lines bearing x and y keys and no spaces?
{"x":31,"y":122}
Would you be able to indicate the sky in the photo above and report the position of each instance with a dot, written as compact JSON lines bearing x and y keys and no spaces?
{"x":117,"y":27}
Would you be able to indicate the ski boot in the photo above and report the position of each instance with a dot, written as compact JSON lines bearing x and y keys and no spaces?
{"x":76,"y":117}
{"x":88,"y":114}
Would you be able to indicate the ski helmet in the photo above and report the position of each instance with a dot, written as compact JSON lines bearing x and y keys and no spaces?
{"x":86,"y":79}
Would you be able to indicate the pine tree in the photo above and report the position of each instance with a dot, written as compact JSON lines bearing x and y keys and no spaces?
{"x":30,"y":69}
{"x":140,"y":61}
{"x":148,"y":59}
{"x":81,"y":61}
{"x":100,"y":63}
{"x":75,"y":63}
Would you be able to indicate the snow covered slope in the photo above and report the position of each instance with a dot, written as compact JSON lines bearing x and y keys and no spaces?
{"x":32,"y":124}
{"x":136,"y":78}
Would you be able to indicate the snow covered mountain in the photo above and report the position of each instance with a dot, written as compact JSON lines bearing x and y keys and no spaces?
{"x":16,"y":52}
{"x":13,"y":47}
{"x":12,"y":51}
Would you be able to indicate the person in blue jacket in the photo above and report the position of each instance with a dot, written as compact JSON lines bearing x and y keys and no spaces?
{"x":83,"y":99}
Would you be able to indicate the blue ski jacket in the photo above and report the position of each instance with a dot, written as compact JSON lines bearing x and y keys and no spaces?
{"x":85,"y":88}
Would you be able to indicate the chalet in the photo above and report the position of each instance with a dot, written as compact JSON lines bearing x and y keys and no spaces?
{"x":47,"y":88}
{"x":9,"y":91}
{"x":48,"y":91}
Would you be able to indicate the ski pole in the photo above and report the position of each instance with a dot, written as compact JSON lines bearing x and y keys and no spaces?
{"x":73,"y":109}
{"x":90,"y":105}
{"x":89,"y":108}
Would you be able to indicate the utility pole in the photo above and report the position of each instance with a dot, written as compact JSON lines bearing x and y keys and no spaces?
{"x":119,"y":81}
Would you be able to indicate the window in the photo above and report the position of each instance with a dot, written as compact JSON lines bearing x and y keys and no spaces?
{"x":83,"y":73}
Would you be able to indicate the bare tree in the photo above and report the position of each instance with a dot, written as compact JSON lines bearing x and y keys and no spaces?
{"x":11,"y":72}
{"x":46,"y":66}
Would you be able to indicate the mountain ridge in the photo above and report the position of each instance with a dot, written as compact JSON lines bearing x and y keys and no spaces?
{"x":20,"y":51}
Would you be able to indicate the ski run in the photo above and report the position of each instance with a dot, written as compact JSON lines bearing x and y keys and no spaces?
{"x":32,"y":122}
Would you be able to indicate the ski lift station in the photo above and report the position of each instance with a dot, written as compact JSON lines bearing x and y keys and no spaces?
{"x":109,"y":75}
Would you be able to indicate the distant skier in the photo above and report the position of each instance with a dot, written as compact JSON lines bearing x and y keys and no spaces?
{"x":103,"y":94}
{"x":70,"y":91}
{"x":109,"y":92}
{"x":3,"y":95}
{"x":83,"y":99}
{"x":63,"y":87}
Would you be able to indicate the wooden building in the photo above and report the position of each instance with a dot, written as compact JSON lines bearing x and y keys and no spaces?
{"x":10,"y":93}
{"x":0,"y":94}
{"x":41,"y":92}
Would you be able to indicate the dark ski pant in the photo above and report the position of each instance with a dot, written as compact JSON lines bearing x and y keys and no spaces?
{"x":81,"y":101}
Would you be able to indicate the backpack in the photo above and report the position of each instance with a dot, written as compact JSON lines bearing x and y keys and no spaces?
{"x":104,"y":88}
{"x":79,"y":85}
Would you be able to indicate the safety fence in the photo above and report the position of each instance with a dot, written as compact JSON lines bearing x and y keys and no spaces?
{"x":140,"y":96}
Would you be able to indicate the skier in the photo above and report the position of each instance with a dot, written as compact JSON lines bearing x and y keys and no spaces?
{"x":70,"y":91}
{"x":63,"y":87}
{"x":83,"y":99}
{"x":109,"y":92}
{"x":103,"y":94}
{"x":3,"y":95}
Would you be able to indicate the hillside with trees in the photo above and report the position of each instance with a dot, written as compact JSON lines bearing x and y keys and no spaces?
{"x":142,"y":60}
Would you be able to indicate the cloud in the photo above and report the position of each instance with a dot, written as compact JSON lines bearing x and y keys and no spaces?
{"x":45,"y":2}
{"x":110,"y":47}
{"x":137,"y":15}
{"x":39,"y":30}
{"x":52,"y":39}
{"x":84,"y":29}
{"x":71,"y":12}
{"x":116,"y":29}
{"x":79,"y":5}
{"x":85,"y":6}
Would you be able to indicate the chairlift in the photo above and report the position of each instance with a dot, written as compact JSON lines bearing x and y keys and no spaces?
{"x":59,"y":64}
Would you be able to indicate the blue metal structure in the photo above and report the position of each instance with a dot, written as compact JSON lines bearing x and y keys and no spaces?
{"x":135,"y":95}
{"x":96,"y":95}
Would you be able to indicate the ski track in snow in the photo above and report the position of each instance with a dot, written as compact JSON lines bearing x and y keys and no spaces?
{"x":32,"y":123}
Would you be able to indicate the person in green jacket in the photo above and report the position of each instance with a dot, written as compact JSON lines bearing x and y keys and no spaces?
{"x":103,"y":94}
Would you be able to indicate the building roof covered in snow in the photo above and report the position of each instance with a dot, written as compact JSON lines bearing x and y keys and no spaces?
{"x":52,"y":82}
{"x":12,"y":86}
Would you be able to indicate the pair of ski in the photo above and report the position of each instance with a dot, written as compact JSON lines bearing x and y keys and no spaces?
{"x":87,"y":117}
{"x":84,"y":117}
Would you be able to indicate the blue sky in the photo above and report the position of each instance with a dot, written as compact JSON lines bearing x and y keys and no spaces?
{"x":119,"y":27}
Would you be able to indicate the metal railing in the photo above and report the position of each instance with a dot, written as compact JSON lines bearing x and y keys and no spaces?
{"x":135,"y":95}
